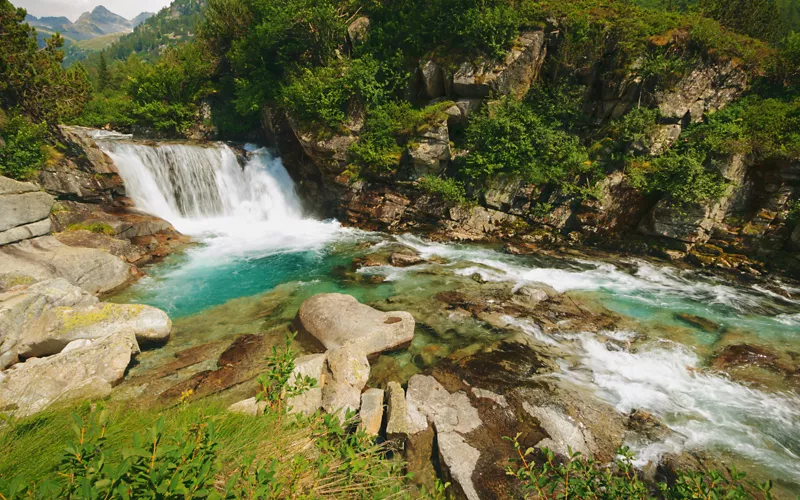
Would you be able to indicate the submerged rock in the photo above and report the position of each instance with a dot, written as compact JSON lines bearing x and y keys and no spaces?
{"x":699,"y":322}
{"x":340,"y":320}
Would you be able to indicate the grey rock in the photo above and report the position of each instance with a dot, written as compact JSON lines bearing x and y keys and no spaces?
{"x":513,"y":76}
{"x":431,"y":152}
{"x":340,"y":397}
{"x":405,"y":260}
{"x":20,"y":209}
{"x":358,"y":30}
{"x":459,"y":460}
{"x":25,"y":232}
{"x":340,"y":320}
{"x":349,"y":365}
{"x":312,"y":366}
{"x":432,"y":79}
{"x":84,"y":373}
{"x":248,"y":407}
{"x":46,"y":258}
{"x":371,"y":412}
{"x":428,"y":402}
{"x":10,"y":186}
{"x":484,"y":394}
{"x":397,"y":423}
{"x":663,"y":138}
{"x":564,"y":433}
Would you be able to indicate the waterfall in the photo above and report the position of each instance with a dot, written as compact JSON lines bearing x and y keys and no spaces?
{"x":204,"y":192}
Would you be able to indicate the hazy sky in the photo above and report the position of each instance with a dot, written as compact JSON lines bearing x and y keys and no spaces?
{"x":74,"y":8}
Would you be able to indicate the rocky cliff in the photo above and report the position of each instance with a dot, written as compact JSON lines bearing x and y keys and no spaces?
{"x":745,"y":229}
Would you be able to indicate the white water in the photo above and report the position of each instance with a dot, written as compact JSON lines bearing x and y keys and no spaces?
{"x":237,"y":211}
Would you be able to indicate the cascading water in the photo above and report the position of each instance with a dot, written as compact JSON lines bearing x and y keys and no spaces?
{"x":204,"y":192}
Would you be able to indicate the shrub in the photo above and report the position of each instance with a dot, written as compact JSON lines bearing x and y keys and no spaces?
{"x":23,"y":152}
{"x":510,"y":137}
{"x":680,"y":175}
{"x":446,"y":188}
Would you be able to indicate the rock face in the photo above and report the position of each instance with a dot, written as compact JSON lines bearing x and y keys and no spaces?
{"x":42,"y":319}
{"x":24,"y":211}
{"x":432,"y":152}
{"x":514,"y":76}
{"x":82,"y":373}
{"x":338,"y":320}
{"x":46,"y":258}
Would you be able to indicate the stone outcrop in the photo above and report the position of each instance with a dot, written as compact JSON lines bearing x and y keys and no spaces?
{"x":85,"y":372}
{"x":431,"y":152}
{"x":338,"y":320}
{"x":42,"y":319}
{"x":24,"y":211}
{"x":46,"y":258}
{"x":513,"y":76}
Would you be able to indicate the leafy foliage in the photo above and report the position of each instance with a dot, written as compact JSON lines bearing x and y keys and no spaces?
{"x":681,"y":175}
{"x":510,"y":137}
{"x":446,"y":188}
{"x":22,"y":150}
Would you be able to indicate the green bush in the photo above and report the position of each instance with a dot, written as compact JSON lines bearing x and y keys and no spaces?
{"x":510,"y":137}
{"x":109,"y":108}
{"x":387,"y":131}
{"x":581,"y":477}
{"x":448,"y":189}
{"x":680,"y":175}
{"x":23,"y":152}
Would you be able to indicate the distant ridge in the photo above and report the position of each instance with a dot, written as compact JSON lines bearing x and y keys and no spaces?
{"x":99,"y":22}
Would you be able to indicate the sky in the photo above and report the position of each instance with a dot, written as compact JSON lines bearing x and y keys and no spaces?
{"x":74,"y":8}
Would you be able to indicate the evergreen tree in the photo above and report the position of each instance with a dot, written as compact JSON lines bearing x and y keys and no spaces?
{"x":103,"y":75}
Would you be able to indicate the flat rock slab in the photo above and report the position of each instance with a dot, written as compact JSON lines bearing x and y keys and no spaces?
{"x":46,"y":258}
{"x":430,"y":403}
{"x":459,"y":460}
{"x":20,"y":209}
{"x":340,"y":320}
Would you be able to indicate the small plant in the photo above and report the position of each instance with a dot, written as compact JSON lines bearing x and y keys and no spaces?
{"x":447,"y":188}
{"x":94,"y":227}
{"x":279,"y":383}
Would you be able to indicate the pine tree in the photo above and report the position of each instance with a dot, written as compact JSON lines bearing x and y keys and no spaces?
{"x":103,"y":75}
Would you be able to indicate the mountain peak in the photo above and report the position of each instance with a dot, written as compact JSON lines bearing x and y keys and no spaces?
{"x":100,"y":9}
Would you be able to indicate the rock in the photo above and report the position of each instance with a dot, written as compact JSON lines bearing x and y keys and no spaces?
{"x":24,"y":309}
{"x":313,"y":366}
{"x":531,"y":296}
{"x":358,"y":30}
{"x":349,"y":369}
{"x":76,"y":344}
{"x":432,"y":80}
{"x":46,"y":258}
{"x":501,"y":191}
{"x":25,"y":232}
{"x":248,"y":407}
{"x":513,"y":76}
{"x":458,"y":114}
{"x":477,"y":223}
{"x":564,"y":434}
{"x":708,"y":87}
{"x":371,"y":412}
{"x":405,"y":260}
{"x":431,"y":151}
{"x":88,"y":372}
{"x":699,"y":322}
{"x":340,"y":320}
{"x":24,"y":211}
{"x":340,"y":397}
{"x":429,"y":402}
{"x":663,"y":138}
{"x":63,"y":325}
{"x":459,"y":460}
{"x":20,"y":209}
{"x":496,"y":398}
{"x":397,"y":423}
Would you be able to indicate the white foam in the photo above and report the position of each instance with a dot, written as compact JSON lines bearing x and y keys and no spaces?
{"x":707,"y":410}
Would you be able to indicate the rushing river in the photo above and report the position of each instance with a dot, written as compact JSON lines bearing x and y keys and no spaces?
{"x":254,"y":237}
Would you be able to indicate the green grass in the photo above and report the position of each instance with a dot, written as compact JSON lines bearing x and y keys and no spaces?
{"x":308,"y":455}
{"x":99,"y":43}
{"x":95,"y":227}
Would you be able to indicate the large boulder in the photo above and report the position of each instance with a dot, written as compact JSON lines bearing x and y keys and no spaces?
{"x":42,"y":319}
{"x":24,"y":211}
{"x":24,"y":308}
{"x":338,"y":320}
{"x":46,"y":258}
{"x":81,"y":373}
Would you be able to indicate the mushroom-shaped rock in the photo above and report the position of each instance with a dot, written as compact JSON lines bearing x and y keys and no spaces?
{"x":340,"y":320}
